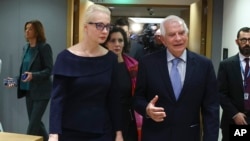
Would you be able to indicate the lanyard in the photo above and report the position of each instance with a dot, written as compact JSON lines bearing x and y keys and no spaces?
{"x":245,"y":77}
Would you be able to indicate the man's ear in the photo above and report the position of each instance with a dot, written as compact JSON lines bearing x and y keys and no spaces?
{"x":237,"y":41}
{"x":162,"y":40}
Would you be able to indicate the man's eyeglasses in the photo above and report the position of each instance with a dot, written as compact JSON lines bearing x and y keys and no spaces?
{"x":101,"y":26}
{"x":244,"y":40}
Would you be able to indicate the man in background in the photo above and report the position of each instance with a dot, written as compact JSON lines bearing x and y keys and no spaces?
{"x":234,"y":85}
{"x":124,"y":24}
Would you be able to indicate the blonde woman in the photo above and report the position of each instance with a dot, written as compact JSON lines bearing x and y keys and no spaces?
{"x":85,"y":98}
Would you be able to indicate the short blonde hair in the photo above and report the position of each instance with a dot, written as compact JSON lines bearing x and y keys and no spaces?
{"x":93,"y":8}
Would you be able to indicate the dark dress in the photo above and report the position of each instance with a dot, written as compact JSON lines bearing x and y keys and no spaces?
{"x":129,"y":130}
{"x":85,"y":104}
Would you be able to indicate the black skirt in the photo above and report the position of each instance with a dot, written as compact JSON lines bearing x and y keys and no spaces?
{"x":72,"y":135}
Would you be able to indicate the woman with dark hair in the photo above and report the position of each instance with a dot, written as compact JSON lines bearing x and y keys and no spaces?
{"x":34,"y":81}
{"x":117,"y":43}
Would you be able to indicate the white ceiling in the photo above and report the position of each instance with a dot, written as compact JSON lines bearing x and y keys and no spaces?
{"x":140,"y":8}
{"x":143,"y":11}
{"x":152,"y":2}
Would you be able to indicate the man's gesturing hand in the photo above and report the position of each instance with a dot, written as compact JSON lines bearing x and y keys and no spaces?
{"x":156,"y":113}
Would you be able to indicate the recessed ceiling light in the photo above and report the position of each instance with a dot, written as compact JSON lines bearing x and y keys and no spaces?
{"x":145,"y":20}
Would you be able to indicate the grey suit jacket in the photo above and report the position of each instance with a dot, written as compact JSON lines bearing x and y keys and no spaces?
{"x":41,"y":66}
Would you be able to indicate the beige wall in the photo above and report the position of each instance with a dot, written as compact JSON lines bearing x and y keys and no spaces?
{"x":209,"y":29}
{"x":195,"y":27}
{"x":75,"y":30}
{"x":70,"y":13}
{"x":83,"y":6}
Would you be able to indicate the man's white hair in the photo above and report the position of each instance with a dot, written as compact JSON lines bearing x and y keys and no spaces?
{"x":172,"y":18}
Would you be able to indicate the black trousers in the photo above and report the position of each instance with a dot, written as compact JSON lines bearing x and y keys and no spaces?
{"x":36,"y":109}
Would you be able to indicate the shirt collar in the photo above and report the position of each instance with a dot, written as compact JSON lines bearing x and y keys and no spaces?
{"x":242,"y":57}
{"x":170,"y":56}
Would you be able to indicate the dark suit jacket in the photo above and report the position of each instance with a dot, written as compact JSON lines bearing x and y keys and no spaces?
{"x":41,"y":66}
{"x":231,"y":89}
{"x":199,"y":93}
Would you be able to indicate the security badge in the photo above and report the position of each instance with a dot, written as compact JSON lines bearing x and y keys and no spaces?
{"x":246,"y":96}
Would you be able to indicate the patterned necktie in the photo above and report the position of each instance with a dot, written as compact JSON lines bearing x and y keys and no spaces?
{"x":247,"y":67}
{"x":247,"y":86}
{"x":176,"y":78}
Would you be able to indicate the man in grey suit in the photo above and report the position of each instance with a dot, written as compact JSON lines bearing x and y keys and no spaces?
{"x":171,"y":114}
{"x":233,"y":84}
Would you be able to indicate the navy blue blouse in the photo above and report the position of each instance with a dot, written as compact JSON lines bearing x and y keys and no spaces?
{"x":85,"y":95}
